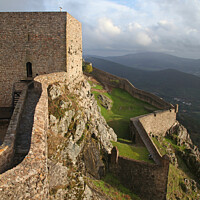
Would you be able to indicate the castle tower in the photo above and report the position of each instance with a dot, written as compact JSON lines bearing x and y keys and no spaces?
{"x":35,"y":43}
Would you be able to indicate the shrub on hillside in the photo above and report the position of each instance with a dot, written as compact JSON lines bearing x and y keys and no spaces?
{"x":87,"y":67}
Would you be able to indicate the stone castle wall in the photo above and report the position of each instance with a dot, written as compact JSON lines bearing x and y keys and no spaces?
{"x":41,"y":38}
{"x":145,"y":179}
{"x":7,"y":148}
{"x":138,"y":132}
{"x":115,"y":81}
{"x":158,"y":123}
{"x":148,"y":180}
{"x":28,"y":180}
{"x":3,"y":129}
{"x":74,"y":47}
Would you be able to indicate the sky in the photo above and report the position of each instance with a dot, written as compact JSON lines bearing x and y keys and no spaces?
{"x":119,"y":27}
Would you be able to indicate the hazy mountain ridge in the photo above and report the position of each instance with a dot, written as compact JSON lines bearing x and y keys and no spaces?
{"x":157,"y":61}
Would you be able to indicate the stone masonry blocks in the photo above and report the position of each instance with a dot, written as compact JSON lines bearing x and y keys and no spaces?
{"x":41,"y":38}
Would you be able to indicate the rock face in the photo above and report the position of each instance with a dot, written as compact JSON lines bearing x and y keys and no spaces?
{"x":78,"y":141}
{"x":182,"y":136}
{"x":105,"y":101}
{"x":190,"y":153}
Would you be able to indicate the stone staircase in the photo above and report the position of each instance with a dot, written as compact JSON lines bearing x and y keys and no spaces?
{"x":16,"y":97}
{"x":23,"y":137}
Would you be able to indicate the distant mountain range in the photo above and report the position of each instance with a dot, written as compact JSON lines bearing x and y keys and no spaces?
{"x":173,"y":85}
{"x":157,"y":61}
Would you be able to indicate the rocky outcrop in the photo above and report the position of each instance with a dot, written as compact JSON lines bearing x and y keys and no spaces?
{"x":187,"y":185}
{"x":182,"y":137}
{"x":188,"y":151}
{"x":78,"y":140}
{"x":105,"y":101}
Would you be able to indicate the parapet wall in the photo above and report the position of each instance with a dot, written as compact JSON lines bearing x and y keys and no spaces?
{"x":159,"y":122}
{"x":29,"y":180}
{"x":108,"y":79}
{"x":145,"y":179}
{"x":7,"y":148}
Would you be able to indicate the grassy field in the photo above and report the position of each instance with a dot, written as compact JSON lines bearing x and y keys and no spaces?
{"x":123,"y":108}
{"x":113,"y":189}
{"x":128,"y":150}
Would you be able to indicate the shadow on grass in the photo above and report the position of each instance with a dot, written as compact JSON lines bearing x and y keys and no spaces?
{"x":121,"y":128}
{"x":125,"y":193}
{"x":183,"y":167}
{"x":125,"y":141}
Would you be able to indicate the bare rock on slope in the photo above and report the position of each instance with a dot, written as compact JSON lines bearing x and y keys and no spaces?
{"x":78,"y":141}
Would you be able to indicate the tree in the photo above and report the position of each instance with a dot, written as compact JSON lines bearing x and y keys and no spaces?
{"x":87,"y":67}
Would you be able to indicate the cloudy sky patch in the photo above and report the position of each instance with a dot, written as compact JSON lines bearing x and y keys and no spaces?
{"x":117,"y":27}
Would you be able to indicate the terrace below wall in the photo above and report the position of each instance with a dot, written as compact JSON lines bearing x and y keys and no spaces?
{"x":157,"y":123}
{"x":108,"y":79}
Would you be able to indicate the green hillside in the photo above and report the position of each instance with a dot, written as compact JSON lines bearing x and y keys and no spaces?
{"x":124,"y":107}
{"x":181,"y":184}
{"x":174,"y":86}
{"x":181,"y":180}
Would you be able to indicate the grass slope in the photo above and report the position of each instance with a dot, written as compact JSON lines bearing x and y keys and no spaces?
{"x":129,"y":150}
{"x":113,"y":189}
{"x":177,"y":175}
{"x":124,"y":106}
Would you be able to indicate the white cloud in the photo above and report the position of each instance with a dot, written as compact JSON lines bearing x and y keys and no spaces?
{"x":139,"y":25}
{"x":143,"y":39}
{"x":106,"y":26}
{"x":134,"y":26}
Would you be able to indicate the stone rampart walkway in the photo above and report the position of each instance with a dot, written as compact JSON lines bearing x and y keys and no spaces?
{"x":23,"y":138}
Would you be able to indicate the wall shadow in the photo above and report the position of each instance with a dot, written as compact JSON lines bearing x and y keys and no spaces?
{"x":5,"y":113}
{"x":25,"y":128}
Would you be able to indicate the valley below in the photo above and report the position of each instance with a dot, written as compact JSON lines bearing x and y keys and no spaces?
{"x":174,"y":86}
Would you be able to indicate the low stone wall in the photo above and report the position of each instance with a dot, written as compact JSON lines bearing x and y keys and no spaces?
{"x":146,"y":140}
{"x":108,"y":79}
{"x":7,"y":148}
{"x":159,"y":122}
{"x":145,"y":179}
{"x":28,"y":180}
